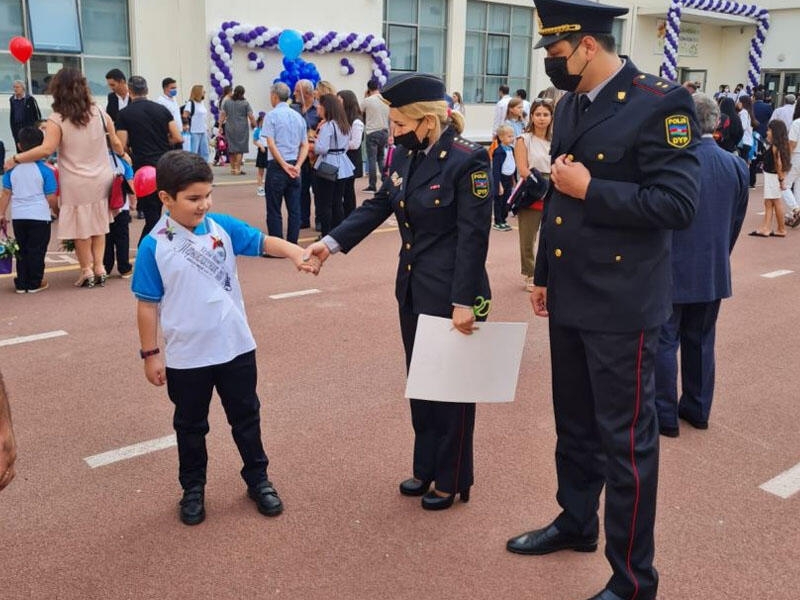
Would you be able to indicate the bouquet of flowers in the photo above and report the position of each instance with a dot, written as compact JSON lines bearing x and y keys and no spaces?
{"x":9,"y":248}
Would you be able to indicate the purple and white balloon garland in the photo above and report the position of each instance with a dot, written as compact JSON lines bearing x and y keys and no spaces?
{"x":233,"y":32}
{"x":669,"y":68}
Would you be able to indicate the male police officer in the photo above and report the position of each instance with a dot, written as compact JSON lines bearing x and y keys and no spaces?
{"x":624,"y":174}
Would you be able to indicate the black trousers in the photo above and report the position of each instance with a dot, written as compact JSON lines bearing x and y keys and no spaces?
{"x":692,"y":327}
{"x":603,"y":398}
{"x":306,"y":187}
{"x":33,"y":237}
{"x":118,"y":244}
{"x":151,"y":207}
{"x":190,"y":391}
{"x":443,"y":431}
{"x":348,"y":196}
{"x":328,"y":203}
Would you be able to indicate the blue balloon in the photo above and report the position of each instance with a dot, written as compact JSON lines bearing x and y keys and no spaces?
{"x":290,"y":43}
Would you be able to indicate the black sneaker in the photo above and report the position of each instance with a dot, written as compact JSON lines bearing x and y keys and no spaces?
{"x":266,"y":499}
{"x":193,"y":510}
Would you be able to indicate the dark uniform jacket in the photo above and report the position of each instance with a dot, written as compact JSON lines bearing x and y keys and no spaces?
{"x":31,"y":114}
{"x":606,"y":260}
{"x":443,"y":213}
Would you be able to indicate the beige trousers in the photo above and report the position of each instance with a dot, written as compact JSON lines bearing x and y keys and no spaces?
{"x":528,"y":221}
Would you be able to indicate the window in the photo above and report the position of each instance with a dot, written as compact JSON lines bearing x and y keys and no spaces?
{"x":617,"y":30}
{"x":499,"y":41}
{"x":416,"y":35}
{"x":90,"y":35}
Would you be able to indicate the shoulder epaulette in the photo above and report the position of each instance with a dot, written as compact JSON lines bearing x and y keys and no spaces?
{"x":460,"y":143}
{"x":654,"y":85}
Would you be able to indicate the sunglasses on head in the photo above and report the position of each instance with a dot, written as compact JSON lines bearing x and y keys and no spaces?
{"x":542,"y":101}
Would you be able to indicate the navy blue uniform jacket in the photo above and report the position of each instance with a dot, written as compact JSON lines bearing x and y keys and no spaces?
{"x":443,"y":213}
{"x":606,"y":260}
{"x":701,"y":266}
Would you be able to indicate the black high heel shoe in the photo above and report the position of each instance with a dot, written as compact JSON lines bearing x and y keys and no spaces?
{"x":414,"y":487}
{"x":432,"y":501}
{"x":85,"y":280}
{"x":101,"y":279}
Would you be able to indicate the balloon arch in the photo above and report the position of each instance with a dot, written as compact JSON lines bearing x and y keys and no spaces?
{"x":292,"y":43}
{"x":669,"y":68}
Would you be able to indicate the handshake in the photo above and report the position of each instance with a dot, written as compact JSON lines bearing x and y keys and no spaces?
{"x":311,"y":259}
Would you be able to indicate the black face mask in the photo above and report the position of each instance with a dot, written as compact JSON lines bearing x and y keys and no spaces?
{"x":557,"y":71}
{"x":410,"y":141}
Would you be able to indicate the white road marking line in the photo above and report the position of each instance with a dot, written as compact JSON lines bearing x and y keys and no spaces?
{"x":32,"y":338}
{"x":295,"y":294}
{"x":784,"y":485}
{"x":112,"y":456}
{"x":778,"y":273}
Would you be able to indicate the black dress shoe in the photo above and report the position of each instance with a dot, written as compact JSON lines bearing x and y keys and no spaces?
{"x":193,"y":509}
{"x":547,"y":540}
{"x":266,"y":499}
{"x":692,"y":421}
{"x":606,"y":595}
{"x":433,"y":501}
{"x":672,"y":432}
{"x":414,"y":487}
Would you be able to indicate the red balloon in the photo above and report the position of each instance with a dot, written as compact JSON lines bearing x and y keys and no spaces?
{"x":144,"y":181}
{"x":20,"y":48}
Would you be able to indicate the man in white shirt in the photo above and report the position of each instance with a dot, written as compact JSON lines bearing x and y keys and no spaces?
{"x":118,"y":97}
{"x":500,"y":108}
{"x":167,"y":99}
{"x":785,"y":112}
{"x":526,"y":105}
{"x":376,"y":126}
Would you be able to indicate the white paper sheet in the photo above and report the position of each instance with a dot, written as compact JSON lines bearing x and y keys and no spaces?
{"x":448,"y":366}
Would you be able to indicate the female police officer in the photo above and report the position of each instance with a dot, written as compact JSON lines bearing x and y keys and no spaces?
{"x":438,"y":189}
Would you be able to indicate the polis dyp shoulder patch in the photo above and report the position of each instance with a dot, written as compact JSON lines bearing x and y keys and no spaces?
{"x":480,"y":184}
{"x":679,"y":131}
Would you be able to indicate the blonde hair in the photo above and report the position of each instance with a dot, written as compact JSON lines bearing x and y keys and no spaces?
{"x":196,"y":94}
{"x":325,"y":87}
{"x":442,"y":116}
{"x":504,"y":129}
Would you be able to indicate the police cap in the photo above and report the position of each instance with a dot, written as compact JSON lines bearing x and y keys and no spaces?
{"x":413,"y":87}
{"x":560,"y":18}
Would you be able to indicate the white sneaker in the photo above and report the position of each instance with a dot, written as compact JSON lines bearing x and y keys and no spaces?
{"x":260,"y":192}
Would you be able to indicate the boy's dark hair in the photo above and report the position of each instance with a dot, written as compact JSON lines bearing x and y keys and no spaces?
{"x":503,"y":89}
{"x":167,"y":81}
{"x":178,"y":169}
{"x":372,"y":85}
{"x":520,"y":93}
{"x":29,"y":137}
{"x":116,"y":75}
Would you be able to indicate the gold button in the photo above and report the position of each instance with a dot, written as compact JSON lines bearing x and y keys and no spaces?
{"x":402,"y":204}
{"x":558,"y":252}
{"x":407,"y":225}
{"x":618,"y":258}
{"x":408,"y":246}
{"x":408,"y":267}
{"x":642,"y":76}
{"x":570,"y":157}
{"x":436,"y":202}
{"x":601,"y":156}
{"x":559,"y":220}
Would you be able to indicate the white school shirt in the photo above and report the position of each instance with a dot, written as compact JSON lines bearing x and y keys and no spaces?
{"x":201,"y":290}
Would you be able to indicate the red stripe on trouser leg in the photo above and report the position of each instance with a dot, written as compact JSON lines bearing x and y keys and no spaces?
{"x":637,"y":405}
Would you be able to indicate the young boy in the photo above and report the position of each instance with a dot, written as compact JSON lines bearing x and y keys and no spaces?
{"x":185,"y":277}
{"x":31,"y":189}
{"x":503,"y":170}
{"x":261,"y":157}
{"x":118,"y":244}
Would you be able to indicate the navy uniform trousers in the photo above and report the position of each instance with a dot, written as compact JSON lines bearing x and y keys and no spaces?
{"x":190,"y":391}
{"x":603,"y":397}
{"x":693,"y":328}
{"x":443,"y":431}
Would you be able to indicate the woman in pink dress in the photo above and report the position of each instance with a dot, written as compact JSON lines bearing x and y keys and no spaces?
{"x":75,"y":130}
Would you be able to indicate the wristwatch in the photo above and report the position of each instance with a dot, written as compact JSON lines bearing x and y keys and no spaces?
{"x":146,"y":353}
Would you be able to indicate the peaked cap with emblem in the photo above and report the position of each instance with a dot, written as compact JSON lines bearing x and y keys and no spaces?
{"x":560,"y":18}
{"x":413,"y":87}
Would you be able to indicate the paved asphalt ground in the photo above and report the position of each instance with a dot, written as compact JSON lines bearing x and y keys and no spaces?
{"x":338,"y":433}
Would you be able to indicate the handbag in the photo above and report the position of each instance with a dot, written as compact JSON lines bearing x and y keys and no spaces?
{"x":326,"y":170}
{"x":529,"y":192}
{"x":116,"y":195}
{"x":8,"y":250}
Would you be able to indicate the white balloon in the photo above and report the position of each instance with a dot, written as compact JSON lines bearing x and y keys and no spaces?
{"x":251,"y":44}
{"x":219,"y":49}
{"x":215,"y":40}
{"x":218,"y":75}
{"x":252,"y":65}
{"x":376,"y":72}
{"x":338,"y":39}
{"x":260,"y":56}
{"x":213,"y":96}
{"x":360,"y":39}
{"x":225,"y":83}
{"x":344,"y":70}
{"x":382,"y":79}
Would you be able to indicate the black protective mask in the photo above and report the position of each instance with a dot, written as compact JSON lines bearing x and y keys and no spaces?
{"x":557,"y":71}
{"x":410,"y":141}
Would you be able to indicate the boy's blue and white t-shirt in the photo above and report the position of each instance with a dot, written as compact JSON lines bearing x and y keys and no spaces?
{"x":30,"y":183}
{"x":192,"y":275}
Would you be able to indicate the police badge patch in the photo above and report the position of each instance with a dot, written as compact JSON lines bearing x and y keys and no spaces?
{"x":679,"y":132}
{"x":480,"y":184}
